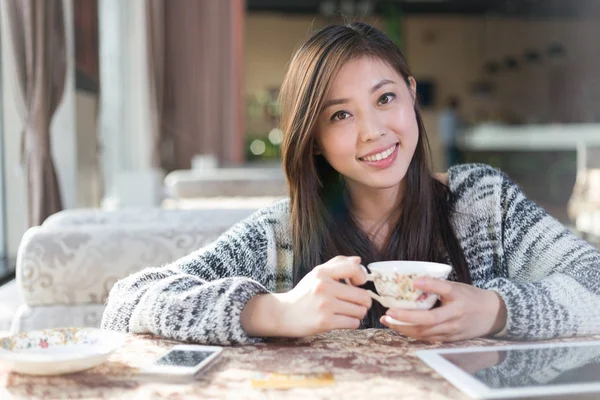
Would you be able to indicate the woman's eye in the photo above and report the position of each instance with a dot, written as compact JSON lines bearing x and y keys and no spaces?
{"x":386,"y":98}
{"x":340,"y":115}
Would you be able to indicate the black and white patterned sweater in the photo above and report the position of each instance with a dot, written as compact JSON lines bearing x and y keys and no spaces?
{"x":548,"y":278}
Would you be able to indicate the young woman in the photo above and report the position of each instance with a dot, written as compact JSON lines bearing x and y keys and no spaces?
{"x":362,"y":190}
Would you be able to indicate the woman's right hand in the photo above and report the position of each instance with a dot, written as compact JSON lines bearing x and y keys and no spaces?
{"x":319,"y":303}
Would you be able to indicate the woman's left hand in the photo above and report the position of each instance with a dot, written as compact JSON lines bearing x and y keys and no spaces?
{"x":466,"y":312}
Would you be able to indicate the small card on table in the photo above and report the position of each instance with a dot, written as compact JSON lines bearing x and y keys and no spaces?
{"x":288,"y":381}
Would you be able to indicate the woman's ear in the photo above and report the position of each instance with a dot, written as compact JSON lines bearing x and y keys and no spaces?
{"x":316,"y":149}
{"x":412,"y":86}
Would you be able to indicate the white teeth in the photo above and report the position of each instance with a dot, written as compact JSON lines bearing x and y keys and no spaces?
{"x":380,"y":156}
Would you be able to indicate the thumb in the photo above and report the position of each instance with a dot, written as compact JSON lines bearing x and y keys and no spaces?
{"x":348,"y":269}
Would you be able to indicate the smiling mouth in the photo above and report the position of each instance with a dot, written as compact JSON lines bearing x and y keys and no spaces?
{"x":380,"y":156}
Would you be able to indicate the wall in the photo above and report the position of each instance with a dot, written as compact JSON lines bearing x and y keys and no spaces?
{"x":451,"y":51}
{"x":556,"y":90}
{"x":270,"y":41}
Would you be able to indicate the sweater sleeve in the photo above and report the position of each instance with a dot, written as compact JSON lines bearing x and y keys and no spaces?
{"x":549,"y":279}
{"x":199,"y":297}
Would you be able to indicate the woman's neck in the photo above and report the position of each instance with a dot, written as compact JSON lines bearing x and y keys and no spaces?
{"x":375,"y":210}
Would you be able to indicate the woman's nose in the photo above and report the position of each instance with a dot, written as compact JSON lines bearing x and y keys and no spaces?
{"x":370,"y":128}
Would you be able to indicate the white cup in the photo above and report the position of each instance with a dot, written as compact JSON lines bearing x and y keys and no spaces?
{"x":394,"y":283}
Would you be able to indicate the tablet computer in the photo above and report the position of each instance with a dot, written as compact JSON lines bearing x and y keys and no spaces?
{"x":520,"y":371}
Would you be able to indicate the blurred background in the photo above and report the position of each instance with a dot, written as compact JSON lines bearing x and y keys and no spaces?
{"x":168,"y":103}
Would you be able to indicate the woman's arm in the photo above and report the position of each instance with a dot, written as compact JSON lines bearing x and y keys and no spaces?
{"x":199,"y":297}
{"x":551,"y":283}
{"x":541,"y":280}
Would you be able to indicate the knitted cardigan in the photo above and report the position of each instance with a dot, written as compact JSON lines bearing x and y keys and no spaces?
{"x":548,"y":278}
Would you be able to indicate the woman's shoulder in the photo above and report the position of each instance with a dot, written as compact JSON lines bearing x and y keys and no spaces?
{"x":268,"y":223}
{"x":480,"y":184}
{"x":274,"y":221}
{"x":471,"y":174}
{"x":277,"y":209}
{"x":474,"y":178}
{"x":275,"y":215}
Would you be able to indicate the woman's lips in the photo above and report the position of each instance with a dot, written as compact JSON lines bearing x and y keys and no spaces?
{"x":384,"y":163}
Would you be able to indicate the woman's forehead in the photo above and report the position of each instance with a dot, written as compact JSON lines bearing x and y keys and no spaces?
{"x":363,"y":72}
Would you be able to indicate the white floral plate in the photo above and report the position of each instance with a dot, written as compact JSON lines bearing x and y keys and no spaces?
{"x":58,"y":351}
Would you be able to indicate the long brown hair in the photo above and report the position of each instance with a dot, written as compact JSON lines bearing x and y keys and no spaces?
{"x":322,"y":224}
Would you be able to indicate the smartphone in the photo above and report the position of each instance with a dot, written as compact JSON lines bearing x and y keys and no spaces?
{"x":184,"y":360}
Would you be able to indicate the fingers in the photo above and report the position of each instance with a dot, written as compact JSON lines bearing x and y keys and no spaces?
{"x":436,"y":325}
{"x":349,"y":309}
{"x":446,"y":332}
{"x":338,"y":321}
{"x":351,"y":294}
{"x":430,"y":285}
{"x":342,"y":267}
{"x":431,"y":317}
{"x":359,"y":278}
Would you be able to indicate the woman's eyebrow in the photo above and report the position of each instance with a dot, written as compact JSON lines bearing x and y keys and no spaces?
{"x":382,"y":83}
{"x":335,"y":102}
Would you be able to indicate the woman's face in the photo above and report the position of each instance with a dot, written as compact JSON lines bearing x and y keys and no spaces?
{"x":368,"y":130}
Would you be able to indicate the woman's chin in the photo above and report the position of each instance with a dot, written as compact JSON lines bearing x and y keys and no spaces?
{"x":389,"y":179}
{"x":382,"y":184}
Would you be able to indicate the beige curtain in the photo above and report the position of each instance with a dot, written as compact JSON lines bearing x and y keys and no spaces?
{"x":196,"y":70}
{"x":38,"y":40}
{"x":155,"y":11}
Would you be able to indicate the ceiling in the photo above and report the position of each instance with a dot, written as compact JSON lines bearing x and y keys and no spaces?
{"x":520,"y":8}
